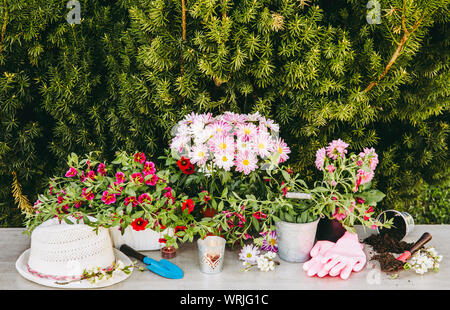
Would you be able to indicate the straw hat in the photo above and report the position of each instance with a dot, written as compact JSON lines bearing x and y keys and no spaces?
{"x":60,"y":253}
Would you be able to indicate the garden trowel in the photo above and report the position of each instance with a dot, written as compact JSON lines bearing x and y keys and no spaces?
{"x":164,"y":268}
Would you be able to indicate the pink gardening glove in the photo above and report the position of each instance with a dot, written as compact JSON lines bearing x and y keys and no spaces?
{"x":345,"y":256}
{"x":314,"y":265}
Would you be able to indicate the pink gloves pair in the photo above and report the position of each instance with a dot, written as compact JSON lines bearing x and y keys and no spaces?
{"x":340,"y":258}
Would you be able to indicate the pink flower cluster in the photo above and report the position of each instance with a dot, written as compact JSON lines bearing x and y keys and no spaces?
{"x":242,"y":141}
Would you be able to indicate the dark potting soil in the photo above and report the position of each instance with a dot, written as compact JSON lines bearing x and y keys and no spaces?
{"x":388,"y":263}
{"x":398,"y":229}
{"x":385,"y":245}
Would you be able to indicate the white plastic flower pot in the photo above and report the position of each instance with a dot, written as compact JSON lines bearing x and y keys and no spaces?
{"x":295,"y":240}
{"x":142,"y":240}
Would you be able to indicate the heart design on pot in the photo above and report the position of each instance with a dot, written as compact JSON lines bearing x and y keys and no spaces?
{"x":212,"y":259}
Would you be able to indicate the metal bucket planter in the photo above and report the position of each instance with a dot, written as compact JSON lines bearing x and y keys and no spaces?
{"x":295,"y":240}
{"x":403,"y":223}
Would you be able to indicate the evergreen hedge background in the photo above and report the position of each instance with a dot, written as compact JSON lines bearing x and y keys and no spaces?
{"x":133,"y":68}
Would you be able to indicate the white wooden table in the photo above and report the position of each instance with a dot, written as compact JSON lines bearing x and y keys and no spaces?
{"x":287,"y":276}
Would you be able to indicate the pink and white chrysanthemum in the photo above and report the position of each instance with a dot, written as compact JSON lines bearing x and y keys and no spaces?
{"x":337,"y":148}
{"x":246,"y":131}
{"x":264,"y":144}
{"x":245,"y":146}
{"x":220,"y":127}
{"x":234,"y":118}
{"x":198,"y":154}
{"x":255,"y":117}
{"x":269,"y":124}
{"x":320,"y":158}
{"x":180,"y":142}
{"x":222,"y":144}
{"x":282,"y":150}
{"x":224,"y":161}
{"x":246,"y":162}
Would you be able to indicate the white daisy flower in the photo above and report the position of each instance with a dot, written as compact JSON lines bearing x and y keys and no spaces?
{"x":249,"y":253}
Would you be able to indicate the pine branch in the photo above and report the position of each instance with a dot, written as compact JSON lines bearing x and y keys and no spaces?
{"x":20,"y":199}
{"x":5,"y":22}
{"x":406,"y":35}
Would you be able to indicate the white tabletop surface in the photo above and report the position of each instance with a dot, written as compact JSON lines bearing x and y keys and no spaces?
{"x":287,"y":276}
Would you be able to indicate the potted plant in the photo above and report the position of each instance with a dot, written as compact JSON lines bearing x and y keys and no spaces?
{"x":212,"y":156}
{"x":345,"y":195}
{"x":128,"y":196}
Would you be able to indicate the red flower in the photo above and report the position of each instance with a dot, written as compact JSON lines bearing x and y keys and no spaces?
{"x":189,"y":204}
{"x":139,"y":158}
{"x":132,"y":200}
{"x":284,"y":189}
{"x":139,"y":224}
{"x":183,"y":163}
{"x":162,"y":240}
{"x":137,"y":177}
{"x":189,"y":170}
{"x":180,"y":228}
{"x":360,"y":200}
{"x":144,"y":198}
{"x":259,"y":215}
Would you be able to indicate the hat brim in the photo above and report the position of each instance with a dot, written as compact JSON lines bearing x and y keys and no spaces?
{"x":21,"y":266}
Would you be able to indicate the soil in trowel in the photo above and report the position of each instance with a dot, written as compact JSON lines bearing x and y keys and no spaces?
{"x":388,"y":263}
{"x":384,"y":245}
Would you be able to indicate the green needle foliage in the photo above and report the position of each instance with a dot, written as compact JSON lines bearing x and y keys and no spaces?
{"x":131,"y":69}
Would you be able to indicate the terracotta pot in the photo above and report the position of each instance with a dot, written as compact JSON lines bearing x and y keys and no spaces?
{"x":168,"y":252}
{"x":330,"y":230}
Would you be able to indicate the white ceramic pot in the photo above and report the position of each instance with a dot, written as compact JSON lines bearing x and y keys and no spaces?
{"x":295,"y":240}
{"x":143,"y":240}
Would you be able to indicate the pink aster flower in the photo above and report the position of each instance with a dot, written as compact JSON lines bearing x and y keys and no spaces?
{"x":234,"y":118}
{"x":108,"y":198}
{"x":245,"y":162}
{"x":270,"y":241}
{"x":245,"y":131}
{"x":320,"y":158}
{"x":337,"y":148}
{"x":101,"y":169}
{"x":71,"y":172}
{"x":222,"y":144}
{"x":199,"y":154}
{"x":224,"y":161}
{"x":139,"y":158}
{"x":220,"y":127}
{"x":120,"y":177}
{"x":149,"y":168}
{"x":282,"y":150}
{"x":263,"y":144}
{"x":152,"y":180}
